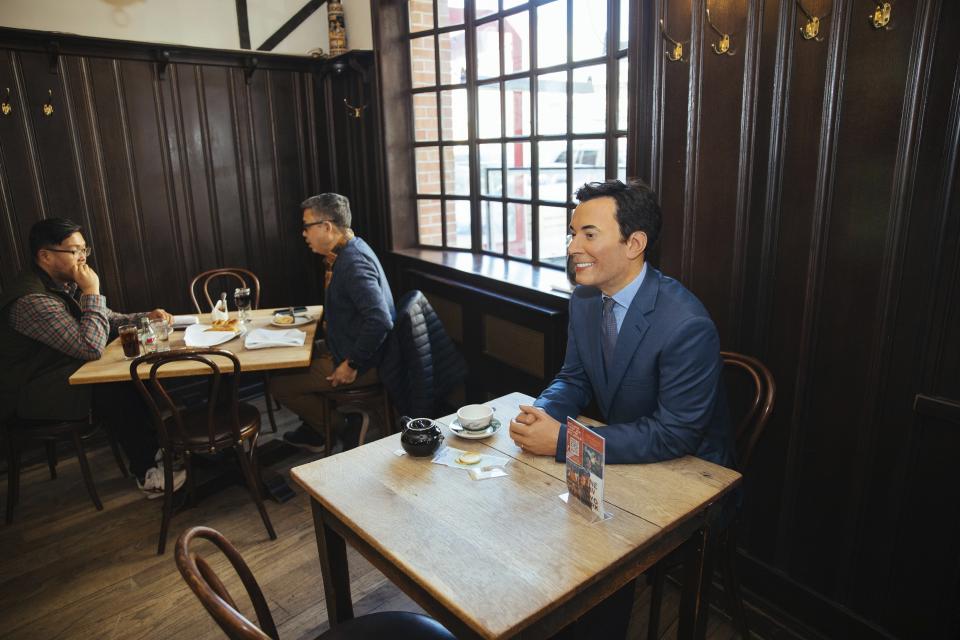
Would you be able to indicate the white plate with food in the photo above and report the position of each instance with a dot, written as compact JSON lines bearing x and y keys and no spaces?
{"x":210,"y":335}
{"x":286,"y":320}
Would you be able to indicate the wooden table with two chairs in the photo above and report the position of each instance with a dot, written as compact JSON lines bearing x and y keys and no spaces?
{"x":505,"y":557}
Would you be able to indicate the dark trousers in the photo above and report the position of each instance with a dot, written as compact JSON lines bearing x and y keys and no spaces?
{"x":120,"y":406}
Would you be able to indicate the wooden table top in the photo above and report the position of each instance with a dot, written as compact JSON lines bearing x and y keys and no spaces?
{"x":113,"y":367}
{"x":499,"y":553}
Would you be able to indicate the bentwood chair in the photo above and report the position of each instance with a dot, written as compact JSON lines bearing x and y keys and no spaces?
{"x":225,"y":279}
{"x":216,"y":599}
{"x":752,"y":392}
{"x":18,"y":432}
{"x":222,"y":423}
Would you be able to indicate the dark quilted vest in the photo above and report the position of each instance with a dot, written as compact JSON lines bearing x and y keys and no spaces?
{"x":33,"y":375}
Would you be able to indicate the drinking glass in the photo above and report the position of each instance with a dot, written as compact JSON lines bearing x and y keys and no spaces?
{"x":163,"y":329}
{"x":130,"y":340}
{"x":241,"y":298}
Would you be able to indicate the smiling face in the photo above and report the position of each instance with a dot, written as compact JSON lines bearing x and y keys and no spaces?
{"x":601,"y":258}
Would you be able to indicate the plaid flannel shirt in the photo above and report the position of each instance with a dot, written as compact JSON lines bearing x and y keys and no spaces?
{"x":48,"y":320}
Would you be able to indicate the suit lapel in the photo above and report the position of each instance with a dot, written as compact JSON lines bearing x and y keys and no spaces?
{"x":594,"y":318}
{"x":631,"y":334}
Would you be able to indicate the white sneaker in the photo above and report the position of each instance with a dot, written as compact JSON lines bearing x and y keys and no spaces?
{"x":152,"y":485}
{"x":177,"y":460}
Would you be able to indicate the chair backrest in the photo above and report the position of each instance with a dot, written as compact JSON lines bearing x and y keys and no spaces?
{"x":427,"y":365}
{"x":234,"y":276}
{"x":746,"y":377}
{"x":213,"y":594}
{"x":166,"y":411}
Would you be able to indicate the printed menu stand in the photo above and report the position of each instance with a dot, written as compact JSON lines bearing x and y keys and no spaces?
{"x":585,"y":464}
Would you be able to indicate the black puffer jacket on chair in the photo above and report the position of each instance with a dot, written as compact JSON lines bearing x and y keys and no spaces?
{"x":421,"y":363}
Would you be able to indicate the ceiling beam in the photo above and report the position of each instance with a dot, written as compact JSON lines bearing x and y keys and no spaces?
{"x":290,"y":25}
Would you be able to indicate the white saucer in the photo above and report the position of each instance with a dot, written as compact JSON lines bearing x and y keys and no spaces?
{"x":297,"y":321}
{"x":491,"y":429}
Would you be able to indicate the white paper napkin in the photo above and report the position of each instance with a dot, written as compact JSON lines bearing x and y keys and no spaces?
{"x":448,"y":456}
{"x":264,"y":338}
{"x":181,"y":322}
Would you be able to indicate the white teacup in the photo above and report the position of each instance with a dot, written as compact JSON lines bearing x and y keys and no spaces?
{"x":475,"y":417}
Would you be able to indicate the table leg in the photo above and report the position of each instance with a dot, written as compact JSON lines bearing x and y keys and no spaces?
{"x":333,"y":568}
{"x":698,"y":569}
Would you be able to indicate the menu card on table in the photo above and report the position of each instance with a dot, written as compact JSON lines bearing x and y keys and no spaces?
{"x":585,"y":461}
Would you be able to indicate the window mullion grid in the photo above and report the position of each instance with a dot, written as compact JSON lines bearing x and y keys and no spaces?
{"x":470,"y":46}
{"x":569,"y":104}
{"x":534,"y":146}
{"x":613,"y":79}
{"x":440,"y":138}
{"x":504,"y":217}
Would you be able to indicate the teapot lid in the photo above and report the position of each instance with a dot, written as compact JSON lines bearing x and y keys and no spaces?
{"x":421,"y":424}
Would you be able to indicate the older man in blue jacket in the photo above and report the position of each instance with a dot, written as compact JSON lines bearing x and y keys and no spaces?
{"x":359,"y":312}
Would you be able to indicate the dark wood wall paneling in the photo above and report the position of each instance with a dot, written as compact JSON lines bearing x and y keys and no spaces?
{"x":809,"y":191}
{"x":174,"y":169}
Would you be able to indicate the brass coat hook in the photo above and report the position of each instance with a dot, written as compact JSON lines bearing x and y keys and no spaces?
{"x":721,"y":47}
{"x":47,"y":107}
{"x":5,"y":107}
{"x":811,"y":30}
{"x":675,"y":53}
{"x":880,"y":17}
{"x":352,"y":111}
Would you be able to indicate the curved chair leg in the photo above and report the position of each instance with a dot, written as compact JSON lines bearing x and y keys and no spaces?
{"x":85,"y":470}
{"x":656,"y":598}
{"x":254,"y":484}
{"x":191,"y":479}
{"x":167,"y":500}
{"x":13,"y":475}
{"x":51,"y":447}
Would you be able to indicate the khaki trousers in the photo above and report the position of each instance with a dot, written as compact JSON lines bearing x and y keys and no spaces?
{"x":301,"y":390}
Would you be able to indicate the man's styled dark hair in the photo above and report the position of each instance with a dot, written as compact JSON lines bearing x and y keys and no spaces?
{"x":637,"y":208}
{"x":332,"y":205}
{"x":51,"y":232}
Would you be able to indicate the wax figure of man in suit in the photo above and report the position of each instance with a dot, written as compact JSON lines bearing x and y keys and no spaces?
{"x":639,"y":344}
{"x":53,"y":318}
{"x":359,"y":313}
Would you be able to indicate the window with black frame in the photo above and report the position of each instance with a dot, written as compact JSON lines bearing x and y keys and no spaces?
{"x":515,"y":104}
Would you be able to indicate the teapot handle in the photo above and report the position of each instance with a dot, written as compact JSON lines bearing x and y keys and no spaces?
{"x":404,"y":421}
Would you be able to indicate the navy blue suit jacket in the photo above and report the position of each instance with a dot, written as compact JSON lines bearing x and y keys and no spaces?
{"x":358,"y":306}
{"x":664,"y":397}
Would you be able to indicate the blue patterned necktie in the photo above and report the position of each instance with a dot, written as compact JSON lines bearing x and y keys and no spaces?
{"x":609,"y":334}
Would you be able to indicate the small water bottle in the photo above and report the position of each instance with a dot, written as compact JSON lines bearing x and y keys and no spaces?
{"x":148,"y":338}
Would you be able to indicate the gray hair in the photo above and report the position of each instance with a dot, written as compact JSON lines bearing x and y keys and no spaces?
{"x":332,"y":205}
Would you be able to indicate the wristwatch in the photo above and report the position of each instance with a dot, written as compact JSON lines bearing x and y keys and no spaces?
{"x":353,"y":365}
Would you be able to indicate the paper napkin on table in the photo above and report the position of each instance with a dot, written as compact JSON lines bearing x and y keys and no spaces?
{"x":219,"y":311}
{"x":448,"y":456}
{"x":264,"y":338}
{"x":181,"y":322}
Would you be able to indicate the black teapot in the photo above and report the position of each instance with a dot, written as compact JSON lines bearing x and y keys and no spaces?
{"x":420,"y":436}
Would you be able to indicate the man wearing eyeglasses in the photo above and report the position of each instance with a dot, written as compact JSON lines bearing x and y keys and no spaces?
{"x":53,"y":318}
{"x":359,"y":314}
